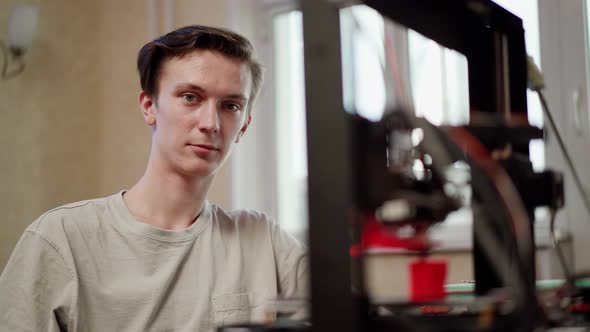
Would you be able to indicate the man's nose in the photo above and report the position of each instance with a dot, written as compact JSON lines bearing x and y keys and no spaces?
{"x":209,"y":117}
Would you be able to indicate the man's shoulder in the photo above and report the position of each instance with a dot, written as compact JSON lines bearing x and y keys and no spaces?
{"x":243,"y":221}
{"x":249,"y":215}
{"x":242,"y":217}
{"x":73,"y":215}
{"x":253,"y":225}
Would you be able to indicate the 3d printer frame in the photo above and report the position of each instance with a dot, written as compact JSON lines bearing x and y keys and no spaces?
{"x":492,"y":40}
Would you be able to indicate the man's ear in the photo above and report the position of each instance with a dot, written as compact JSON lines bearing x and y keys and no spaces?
{"x":148,"y":108}
{"x":244,"y":127}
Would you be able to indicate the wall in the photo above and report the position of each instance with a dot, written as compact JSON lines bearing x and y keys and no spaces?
{"x":48,"y":118}
{"x":125,"y":26}
{"x":563,"y":57}
{"x":70,"y":127}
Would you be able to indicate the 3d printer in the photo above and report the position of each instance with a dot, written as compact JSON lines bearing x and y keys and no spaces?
{"x":359,"y":180}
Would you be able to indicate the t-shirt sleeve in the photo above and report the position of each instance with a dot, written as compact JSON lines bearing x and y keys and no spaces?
{"x":36,"y":287}
{"x":293,"y":268}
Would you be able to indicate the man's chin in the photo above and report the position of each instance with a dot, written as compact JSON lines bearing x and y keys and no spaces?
{"x":197,"y":168}
{"x":199,"y":172}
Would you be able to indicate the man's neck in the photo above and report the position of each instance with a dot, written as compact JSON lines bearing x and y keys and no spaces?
{"x":167,"y":200}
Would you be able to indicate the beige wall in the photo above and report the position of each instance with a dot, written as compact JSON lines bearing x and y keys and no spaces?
{"x":124,"y":28}
{"x":70,"y":127}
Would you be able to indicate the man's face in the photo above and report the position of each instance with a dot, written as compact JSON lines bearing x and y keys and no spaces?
{"x":199,"y":113}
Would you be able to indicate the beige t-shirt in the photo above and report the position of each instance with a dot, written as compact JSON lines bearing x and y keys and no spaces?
{"x":91,"y":266}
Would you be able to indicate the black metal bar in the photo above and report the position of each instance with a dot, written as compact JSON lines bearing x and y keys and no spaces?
{"x":329,"y":171}
{"x":449,"y":22}
{"x":469,"y":27}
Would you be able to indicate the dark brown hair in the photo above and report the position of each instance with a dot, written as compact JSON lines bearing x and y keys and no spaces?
{"x":185,"y":40}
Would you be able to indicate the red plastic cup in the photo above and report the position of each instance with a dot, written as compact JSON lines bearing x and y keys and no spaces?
{"x":427,"y":280}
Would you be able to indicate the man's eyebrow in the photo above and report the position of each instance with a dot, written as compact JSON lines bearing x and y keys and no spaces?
{"x":237,"y":96}
{"x":191,"y":86}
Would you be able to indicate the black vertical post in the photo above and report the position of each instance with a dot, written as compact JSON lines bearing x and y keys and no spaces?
{"x":329,"y":171}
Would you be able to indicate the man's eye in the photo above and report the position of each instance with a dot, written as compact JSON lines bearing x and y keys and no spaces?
{"x":233,"y":107}
{"x":189,"y":98}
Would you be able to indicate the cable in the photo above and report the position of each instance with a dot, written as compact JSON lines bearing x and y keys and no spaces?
{"x":536,"y":84}
{"x":566,"y":155}
{"x":560,"y":255}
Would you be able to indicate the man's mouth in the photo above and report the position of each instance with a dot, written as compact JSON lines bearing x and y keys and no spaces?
{"x":205,"y":146}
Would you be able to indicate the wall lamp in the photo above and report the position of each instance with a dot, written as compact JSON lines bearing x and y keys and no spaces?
{"x":21,"y":28}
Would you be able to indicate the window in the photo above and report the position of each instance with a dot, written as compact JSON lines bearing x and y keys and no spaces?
{"x":290,"y":129}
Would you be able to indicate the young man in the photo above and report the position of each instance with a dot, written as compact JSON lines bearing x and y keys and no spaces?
{"x":159,"y":257}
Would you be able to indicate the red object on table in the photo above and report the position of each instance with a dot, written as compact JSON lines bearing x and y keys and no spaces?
{"x":375,"y":235}
{"x":427,"y":279}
